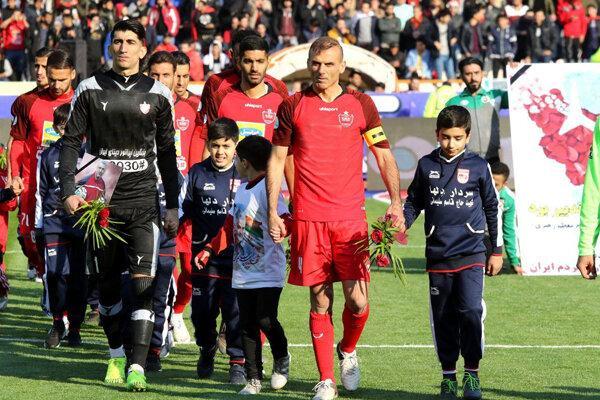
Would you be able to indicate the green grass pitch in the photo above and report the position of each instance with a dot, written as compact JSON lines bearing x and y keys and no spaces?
{"x":528,"y":315}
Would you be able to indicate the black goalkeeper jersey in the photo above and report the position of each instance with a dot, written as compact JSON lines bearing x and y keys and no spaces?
{"x":128,"y":121}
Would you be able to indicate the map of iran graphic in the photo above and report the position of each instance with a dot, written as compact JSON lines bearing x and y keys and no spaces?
{"x":565,"y":126}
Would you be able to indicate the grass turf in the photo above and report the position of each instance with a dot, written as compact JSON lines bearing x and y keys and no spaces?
{"x":521,"y":311}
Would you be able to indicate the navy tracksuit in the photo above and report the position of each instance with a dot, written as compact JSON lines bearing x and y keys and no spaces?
{"x":207,"y":197}
{"x":459,"y":199}
{"x":66,"y":283}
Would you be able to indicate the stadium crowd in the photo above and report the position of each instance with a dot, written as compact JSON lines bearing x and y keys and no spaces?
{"x":419,"y":38}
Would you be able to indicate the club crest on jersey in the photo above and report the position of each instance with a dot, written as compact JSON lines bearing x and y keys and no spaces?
{"x":462,"y":175}
{"x":145,"y":108}
{"x":434,"y":174}
{"x":346,"y":119}
{"x":269,"y":116}
{"x":182,"y":123}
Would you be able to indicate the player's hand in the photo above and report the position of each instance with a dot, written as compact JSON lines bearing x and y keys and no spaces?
{"x":171,"y":222}
{"x":73,"y":203}
{"x":17,"y":185}
{"x":277,"y":228}
{"x":518,"y":269}
{"x":202,"y":258}
{"x":494,"y":265}
{"x":395,"y":213}
{"x":587,"y":267}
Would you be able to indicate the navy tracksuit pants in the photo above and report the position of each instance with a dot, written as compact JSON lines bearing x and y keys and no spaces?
{"x":457,"y":313}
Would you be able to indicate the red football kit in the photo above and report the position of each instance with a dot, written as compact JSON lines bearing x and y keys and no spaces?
{"x":253,"y":116}
{"x":329,"y":213}
{"x":31,"y":130}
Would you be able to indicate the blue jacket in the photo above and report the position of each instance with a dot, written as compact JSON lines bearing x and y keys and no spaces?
{"x":167,"y":246}
{"x":49,"y":212}
{"x":502,"y":43}
{"x":459,"y":198}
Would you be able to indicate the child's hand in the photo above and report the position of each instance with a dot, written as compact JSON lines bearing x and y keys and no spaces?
{"x":494,"y":265}
{"x":277,"y":228}
{"x":202,"y":258}
{"x":17,"y":185}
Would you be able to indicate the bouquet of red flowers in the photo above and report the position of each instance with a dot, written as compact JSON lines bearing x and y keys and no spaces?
{"x":96,"y":222}
{"x":379,"y":244}
{"x":3,"y":158}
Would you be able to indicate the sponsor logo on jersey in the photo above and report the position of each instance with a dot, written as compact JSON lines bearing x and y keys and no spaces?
{"x":462,"y":175}
{"x":182,"y":123}
{"x":269,"y":116}
{"x":276,"y":124}
{"x":209,"y":186}
{"x":434,"y":174}
{"x":252,"y":105}
{"x":251,"y":128}
{"x":346,"y":119}
{"x":145,"y":108}
{"x":328,"y":109}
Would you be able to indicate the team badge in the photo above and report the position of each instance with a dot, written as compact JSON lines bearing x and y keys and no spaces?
{"x":462,"y":175}
{"x":346,"y":119}
{"x":276,"y":125}
{"x":145,"y":108}
{"x":434,"y":174}
{"x":269,"y":116}
{"x":182,"y":123}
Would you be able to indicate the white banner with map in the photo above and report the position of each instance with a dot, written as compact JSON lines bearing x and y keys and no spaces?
{"x":553,"y":108}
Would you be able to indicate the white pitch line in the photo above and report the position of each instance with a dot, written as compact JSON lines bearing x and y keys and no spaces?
{"x":374,"y":346}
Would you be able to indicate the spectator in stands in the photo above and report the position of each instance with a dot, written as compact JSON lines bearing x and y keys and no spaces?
{"x":543,"y":39}
{"x":435,"y":6}
{"x":396,"y":58}
{"x":34,"y":12}
{"x":313,"y":32}
{"x":151,"y":40}
{"x":204,"y":24}
{"x":196,"y":66}
{"x":457,"y":20}
{"x":338,"y":13}
{"x":403,"y":12}
{"x":216,"y":60}
{"x":261,"y":29}
{"x":107,"y":13}
{"x":389,"y":27}
{"x":14,"y":28}
{"x":313,"y":18}
{"x":492,"y":10}
{"x":39,"y":33}
{"x":355,"y":81}
{"x":165,"y":19}
{"x":472,"y":40}
{"x":418,"y":61}
{"x":414,"y":83}
{"x":437,"y":100}
{"x":592,"y":35}
{"x":69,"y":31}
{"x":138,"y":8}
{"x":167,"y":44}
{"x":502,"y":45}
{"x":571,"y":15}
{"x":515,"y":10}
{"x":364,"y":26}
{"x":285,"y":27}
{"x":380,"y":87}
{"x":94,"y":37}
{"x":418,"y":26}
{"x":5,"y":68}
{"x":445,"y":38}
{"x":341,"y":33}
{"x":262,"y":13}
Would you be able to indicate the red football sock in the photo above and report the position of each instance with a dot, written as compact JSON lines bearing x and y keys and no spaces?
{"x":184,"y":283}
{"x":353,"y":327}
{"x":321,"y":329}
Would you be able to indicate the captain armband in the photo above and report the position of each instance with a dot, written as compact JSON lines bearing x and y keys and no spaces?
{"x":376,"y":137}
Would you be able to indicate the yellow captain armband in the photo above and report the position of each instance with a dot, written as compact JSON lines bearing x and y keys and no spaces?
{"x":374,"y":136}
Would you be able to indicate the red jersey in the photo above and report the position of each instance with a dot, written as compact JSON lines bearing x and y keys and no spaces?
{"x":253,"y":116}
{"x":186,"y":119}
{"x":14,"y":35}
{"x":94,"y":188}
{"x":328,"y":152}
{"x":33,"y":115}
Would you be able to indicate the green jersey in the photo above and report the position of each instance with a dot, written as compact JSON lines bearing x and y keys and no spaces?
{"x":590,"y":203}
{"x":509,"y":226}
{"x":485,"y":122}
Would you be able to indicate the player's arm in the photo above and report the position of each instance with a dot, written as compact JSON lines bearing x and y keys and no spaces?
{"x":414,"y":201}
{"x":18,"y":134}
{"x":186,"y":202}
{"x":198,"y":140}
{"x":588,"y":219}
{"x":77,"y":126}
{"x":492,"y":210}
{"x":509,"y":224}
{"x":208,"y":91}
{"x":166,"y":159}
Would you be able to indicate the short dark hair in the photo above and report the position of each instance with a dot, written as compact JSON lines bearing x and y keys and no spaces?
{"x":454,"y":117}
{"x":256,"y":150}
{"x":60,"y":59}
{"x":240,"y":35}
{"x":500,"y":16}
{"x":61,"y":115}
{"x":499,"y":168}
{"x":253,"y":43}
{"x":181,"y":58}
{"x":443,"y":13}
{"x":468,"y":61}
{"x":132,"y":25}
{"x":43,"y":52}
{"x":161,"y":57}
{"x":223,"y":128}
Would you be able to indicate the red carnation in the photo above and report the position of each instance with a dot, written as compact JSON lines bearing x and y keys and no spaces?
{"x":376,"y":236}
{"x":104,"y":213}
{"x":103,"y":222}
{"x":382,"y":261}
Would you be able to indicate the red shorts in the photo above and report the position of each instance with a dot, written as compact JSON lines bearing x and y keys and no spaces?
{"x":324,"y":252}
